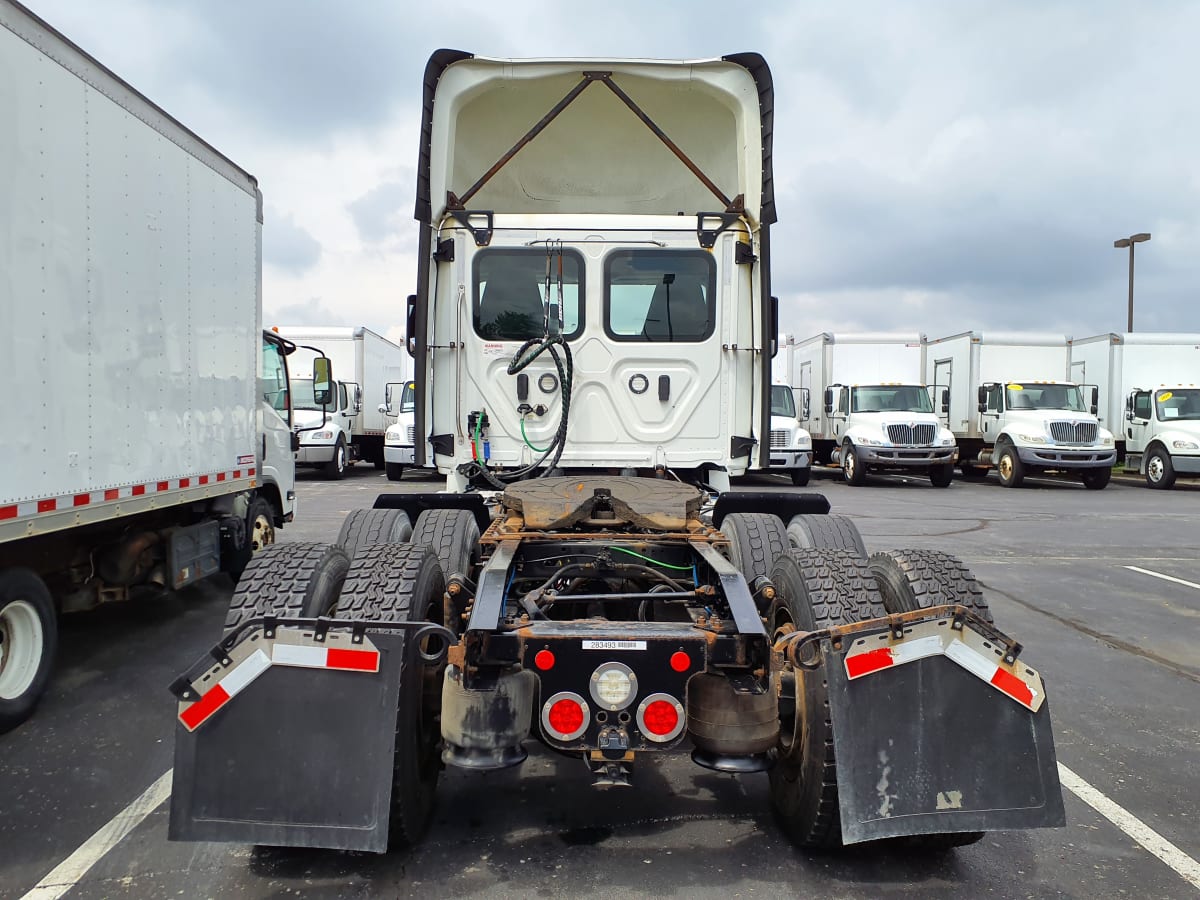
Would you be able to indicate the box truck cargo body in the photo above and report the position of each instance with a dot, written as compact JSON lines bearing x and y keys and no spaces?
{"x":352,"y":427}
{"x":870,"y":409}
{"x":1012,"y":406}
{"x":155,"y":440}
{"x":1149,"y":389}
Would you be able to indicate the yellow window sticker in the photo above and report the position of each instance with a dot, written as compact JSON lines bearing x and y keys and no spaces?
{"x":1015,"y":387}
{"x":1165,"y":395}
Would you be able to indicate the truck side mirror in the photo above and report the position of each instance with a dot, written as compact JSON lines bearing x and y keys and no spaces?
{"x":322,"y":379}
{"x":828,"y":400}
{"x":806,"y":404}
{"x":1095,"y":400}
{"x":1129,"y":408}
{"x":411,"y":326}
{"x":981,"y":398}
{"x":946,"y":400}
{"x":774,"y":326}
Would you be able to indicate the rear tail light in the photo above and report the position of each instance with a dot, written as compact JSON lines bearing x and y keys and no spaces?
{"x":565,"y":716}
{"x":660,"y":718}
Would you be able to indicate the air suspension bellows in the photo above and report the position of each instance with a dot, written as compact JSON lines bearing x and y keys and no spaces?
{"x":731,"y":731}
{"x":483,"y":726}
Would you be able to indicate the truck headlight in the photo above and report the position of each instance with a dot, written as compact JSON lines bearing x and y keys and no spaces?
{"x":321,"y":435}
{"x":395,"y":436}
{"x":1032,"y":438}
{"x":948,"y":441}
{"x":1185,"y":445}
{"x":870,"y":442}
{"x":1107,"y":441}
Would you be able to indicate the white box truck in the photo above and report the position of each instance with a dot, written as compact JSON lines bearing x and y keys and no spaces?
{"x":401,"y":436}
{"x":155,"y":445}
{"x":351,"y":428}
{"x":1149,"y":384}
{"x":871,"y":410}
{"x":1012,"y":406}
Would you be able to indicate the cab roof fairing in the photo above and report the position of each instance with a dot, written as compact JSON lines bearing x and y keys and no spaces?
{"x":596,"y":156}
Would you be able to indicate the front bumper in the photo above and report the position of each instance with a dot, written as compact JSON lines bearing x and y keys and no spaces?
{"x":907,"y":456}
{"x":1186,"y":465}
{"x":791,"y":459}
{"x":314,"y":454}
{"x":1057,"y":458}
{"x":394,"y":453}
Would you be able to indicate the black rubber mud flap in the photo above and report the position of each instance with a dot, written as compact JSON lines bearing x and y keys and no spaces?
{"x":929,"y":748}
{"x":299,"y":758}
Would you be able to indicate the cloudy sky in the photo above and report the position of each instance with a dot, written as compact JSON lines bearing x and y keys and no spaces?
{"x":939,"y":166}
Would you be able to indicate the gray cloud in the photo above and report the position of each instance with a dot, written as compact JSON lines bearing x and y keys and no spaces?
{"x":287,"y":246}
{"x":383,"y":211}
{"x":303,"y":312}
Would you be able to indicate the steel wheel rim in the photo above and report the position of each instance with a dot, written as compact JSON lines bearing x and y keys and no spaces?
{"x":1154,"y":468}
{"x":1006,"y":467}
{"x":262,"y":533}
{"x":341,"y":457}
{"x":21,"y":641}
{"x":849,"y":464}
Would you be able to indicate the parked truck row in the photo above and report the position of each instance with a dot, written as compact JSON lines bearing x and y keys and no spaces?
{"x":1019,"y":403}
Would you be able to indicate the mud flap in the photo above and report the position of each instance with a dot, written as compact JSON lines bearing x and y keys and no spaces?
{"x":929,"y":748}
{"x":298,"y":757}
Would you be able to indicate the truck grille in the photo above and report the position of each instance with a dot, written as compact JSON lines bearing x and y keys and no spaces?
{"x":412,"y":434}
{"x":1073,"y":432}
{"x":779,"y":438}
{"x":912,"y":435}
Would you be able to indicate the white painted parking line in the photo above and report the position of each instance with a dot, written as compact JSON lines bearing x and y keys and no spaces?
{"x":1190,"y":584}
{"x":67,"y":873}
{"x":1146,"y":836}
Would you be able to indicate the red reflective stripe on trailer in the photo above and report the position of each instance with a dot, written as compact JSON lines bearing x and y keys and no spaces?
{"x":138,"y":490}
{"x":250,"y":473}
{"x":220,"y":476}
{"x":164,"y":485}
{"x":356,"y":660}
{"x":204,"y":479}
{"x":871,"y":661}
{"x":82,"y":499}
{"x":185,"y":482}
{"x":112,"y":494}
{"x":204,"y":707}
{"x":1013,"y":686}
{"x":47,"y":505}
{"x":8,"y":512}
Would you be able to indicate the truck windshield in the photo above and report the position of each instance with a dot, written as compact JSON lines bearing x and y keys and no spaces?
{"x":302,"y":396}
{"x":1178,"y":403}
{"x":1044,"y":396}
{"x":782,"y":402}
{"x":408,"y":398}
{"x":872,"y":398}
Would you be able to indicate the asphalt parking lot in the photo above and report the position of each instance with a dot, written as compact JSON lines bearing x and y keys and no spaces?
{"x":1103,"y":588}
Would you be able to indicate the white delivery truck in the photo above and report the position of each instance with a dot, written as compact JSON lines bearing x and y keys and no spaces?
{"x":400,"y":437}
{"x":567,"y":317}
{"x":155,"y":443}
{"x":1012,"y":406}
{"x":350,"y":428}
{"x":872,"y":411}
{"x":791,"y":444}
{"x":1149,"y":384}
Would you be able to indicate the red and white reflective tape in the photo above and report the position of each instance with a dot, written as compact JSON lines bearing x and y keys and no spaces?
{"x":305,"y":656}
{"x":936,"y":639}
{"x":65,"y":502}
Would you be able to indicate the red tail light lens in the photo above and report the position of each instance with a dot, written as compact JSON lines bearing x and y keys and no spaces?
{"x":565,"y":716}
{"x":661,"y":718}
{"x":680,"y":661}
{"x":544,"y":660}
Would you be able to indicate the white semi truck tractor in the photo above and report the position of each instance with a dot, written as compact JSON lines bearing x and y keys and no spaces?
{"x":1013,"y":407}
{"x":155,"y":445}
{"x":1149,"y":386}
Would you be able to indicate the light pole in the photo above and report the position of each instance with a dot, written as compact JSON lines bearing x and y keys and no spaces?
{"x":1129,"y":242}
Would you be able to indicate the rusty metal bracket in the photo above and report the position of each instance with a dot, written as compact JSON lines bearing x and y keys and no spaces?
{"x":465,"y":217}
{"x":708,"y":236}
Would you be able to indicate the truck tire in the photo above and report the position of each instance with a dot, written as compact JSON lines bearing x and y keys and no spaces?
{"x":395,"y":471}
{"x":910,"y":580}
{"x":301,"y":580}
{"x":260,"y":534}
{"x":28,"y":640}
{"x":755,"y":541}
{"x":336,"y":467}
{"x":800,"y":477}
{"x":941,"y":476}
{"x":830,"y":532}
{"x":454,"y":536}
{"x":814,"y":589}
{"x":1160,"y":472}
{"x":1009,"y":466}
{"x":404,"y":583}
{"x":1096,"y":479}
{"x":853,"y":469}
{"x":363,"y":527}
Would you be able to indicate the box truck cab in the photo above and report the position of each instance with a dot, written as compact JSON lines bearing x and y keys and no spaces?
{"x":791,"y":444}
{"x":1035,"y":426}
{"x":1163,"y":433}
{"x":325,"y":430}
{"x":594,"y":281}
{"x":400,"y":437}
{"x":888,"y":428}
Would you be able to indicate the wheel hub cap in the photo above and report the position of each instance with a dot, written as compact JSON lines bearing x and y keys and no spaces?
{"x":20,"y":648}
